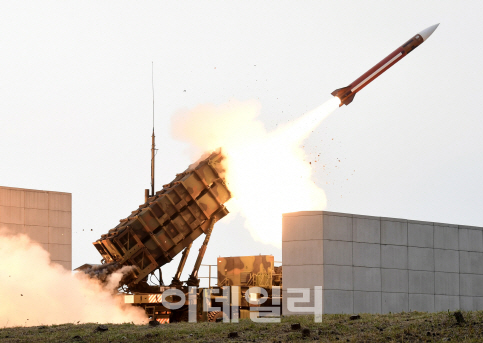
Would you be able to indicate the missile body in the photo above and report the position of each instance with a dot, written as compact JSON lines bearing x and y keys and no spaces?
{"x":347,"y":94}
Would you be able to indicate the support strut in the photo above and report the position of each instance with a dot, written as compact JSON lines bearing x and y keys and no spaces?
{"x":193,"y":280}
{"x":176,"y":282}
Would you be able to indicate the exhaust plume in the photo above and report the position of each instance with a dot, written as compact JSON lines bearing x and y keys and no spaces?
{"x":265,"y":171}
{"x":35,"y":291}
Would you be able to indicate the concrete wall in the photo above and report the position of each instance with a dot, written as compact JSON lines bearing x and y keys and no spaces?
{"x":46,"y":217}
{"x":379,"y":265}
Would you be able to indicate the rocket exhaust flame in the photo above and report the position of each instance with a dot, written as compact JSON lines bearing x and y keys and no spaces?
{"x":36,"y":292}
{"x":265,"y":171}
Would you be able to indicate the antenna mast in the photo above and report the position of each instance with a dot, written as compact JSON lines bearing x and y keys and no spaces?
{"x":153,"y":145}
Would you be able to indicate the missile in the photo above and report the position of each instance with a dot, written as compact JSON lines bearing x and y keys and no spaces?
{"x":347,"y":94}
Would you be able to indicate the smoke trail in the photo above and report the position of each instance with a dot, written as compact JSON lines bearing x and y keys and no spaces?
{"x":265,"y":171}
{"x":34,"y":291}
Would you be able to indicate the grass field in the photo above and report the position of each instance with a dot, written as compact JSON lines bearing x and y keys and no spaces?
{"x":401,"y":327}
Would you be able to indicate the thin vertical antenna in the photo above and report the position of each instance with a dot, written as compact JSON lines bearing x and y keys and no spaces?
{"x":153,"y":145}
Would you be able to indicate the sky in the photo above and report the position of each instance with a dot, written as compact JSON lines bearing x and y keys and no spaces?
{"x":76,"y":102}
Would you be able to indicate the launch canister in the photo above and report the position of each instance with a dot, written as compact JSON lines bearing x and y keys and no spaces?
{"x":347,"y":94}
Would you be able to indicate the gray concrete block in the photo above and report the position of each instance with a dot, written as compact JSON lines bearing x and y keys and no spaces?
{"x":420,"y":235}
{"x":470,"y":240}
{"x":421,"y":282}
{"x":395,"y":302}
{"x":38,"y":234}
{"x":11,"y":197}
{"x":421,"y":302}
{"x":446,"y":260}
{"x":338,"y":302}
{"x":471,"y":262}
{"x":366,"y":254}
{"x":12,"y":215}
{"x":338,"y":227}
{"x":336,"y":277}
{"x":366,"y":230}
{"x":60,"y":201}
{"x":446,"y":283}
{"x":446,"y":302}
{"x":394,"y":280}
{"x":446,"y":237}
{"x":302,"y":252}
{"x":301,"y":228}
{"x":471,"y":303}
{"x":306,"y":276}
{"x":34,"y":216}
{"x":394,"y":256}
{"x":394,"y":232}
{"x":59,"y":235}
{"x":38,"y":200}
{"x":13,"y":228}
{"x":367,"y":302}
{"x":471,"y":285}
{"x":337,"y":252}
{"x":60,"y":252}
{"x":420,"y":258}
{"x":367,"y":279}
{"x":60,"y":219}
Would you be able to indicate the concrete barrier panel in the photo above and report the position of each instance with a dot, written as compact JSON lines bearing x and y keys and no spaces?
{"x":366,"y":254}
{"x":338,"y":227}
{"x":338,"y":302}
{"x":60,"y":201}
{"x":421,"y":282}
{"x":471,"y":262}
{"x":367,"y":279}
{"x":446,"y":302}
{"x":395,"y":280}
{"x":420,"y":259}
{"x":420,"y":235}
{"x":395,"y":302}
{"x":302,"y":228}
{"x":446,"y":283}
{"x":446,"y":237}
{"x":303,"y":276}
{"x":366,"y":230}
{"x":58,"y":235}
{"x":302,"y":252}
{"x":12,"y":197}
{"x":421,"y":302}
{"x":337,"y":252}
{"x":38,"y":200}
{"x":394,"y":256}
{"x":394,"y":232}
{"x":12,"y":215}
{"x":367,"y":302}
{"x":60,"y":252}
{"x":65,"y":264}
{"x":37,"y":217}
{"x":446,"y":261}
{"x":60,"y":219}
{"x":337,"y":277}
{"x":38,"y":234}
{"x":471,"y":285}
{"x":470,"y":240}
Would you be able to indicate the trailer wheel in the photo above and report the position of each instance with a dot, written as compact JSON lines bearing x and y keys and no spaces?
{"x":214,"y":315}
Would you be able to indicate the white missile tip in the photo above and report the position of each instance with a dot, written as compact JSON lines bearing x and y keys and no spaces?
{"x":427,"y":32}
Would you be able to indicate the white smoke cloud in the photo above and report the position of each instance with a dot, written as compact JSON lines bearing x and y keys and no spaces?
{"x":35,"y":291}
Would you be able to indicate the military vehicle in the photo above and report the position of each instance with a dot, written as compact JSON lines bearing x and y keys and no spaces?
{"x":167,"y":224}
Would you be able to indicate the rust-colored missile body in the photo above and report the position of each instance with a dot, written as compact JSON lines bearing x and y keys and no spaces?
{"x":347,"y":94}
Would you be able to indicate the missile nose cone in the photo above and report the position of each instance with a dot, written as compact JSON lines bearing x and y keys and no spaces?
{"x":428,"y":32}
